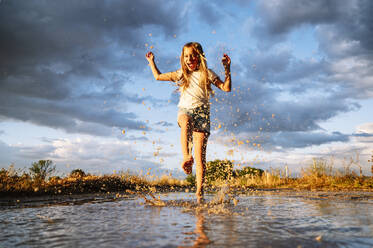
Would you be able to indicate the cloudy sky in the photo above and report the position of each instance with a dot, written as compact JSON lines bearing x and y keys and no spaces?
{"x":75,"y":86}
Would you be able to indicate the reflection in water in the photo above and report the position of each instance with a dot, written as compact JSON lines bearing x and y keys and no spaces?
{"x":202,"y":239}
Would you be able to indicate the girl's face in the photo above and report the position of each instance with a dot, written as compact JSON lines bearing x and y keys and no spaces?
{"x":191,"y":58}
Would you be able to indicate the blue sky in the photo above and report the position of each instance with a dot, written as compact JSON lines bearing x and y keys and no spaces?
{"x":73,"y":76}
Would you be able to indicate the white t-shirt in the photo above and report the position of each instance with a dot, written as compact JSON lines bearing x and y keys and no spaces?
{"x":195,"y":95}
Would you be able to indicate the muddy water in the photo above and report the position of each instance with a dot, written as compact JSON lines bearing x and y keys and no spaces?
{"x":256,"y":219}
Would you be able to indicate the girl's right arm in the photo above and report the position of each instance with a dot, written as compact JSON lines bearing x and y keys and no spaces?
{"x":169,"y":76}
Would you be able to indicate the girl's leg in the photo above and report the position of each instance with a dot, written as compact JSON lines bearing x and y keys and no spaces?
{"x":200,"y":144}
{"x":185,"y":125}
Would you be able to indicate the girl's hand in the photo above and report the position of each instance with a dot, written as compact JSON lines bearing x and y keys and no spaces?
{"x":150,"y":57}
{"x":226,"y":61}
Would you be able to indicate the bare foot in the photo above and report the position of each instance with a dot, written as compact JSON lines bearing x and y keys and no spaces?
{"x":187,"y":165}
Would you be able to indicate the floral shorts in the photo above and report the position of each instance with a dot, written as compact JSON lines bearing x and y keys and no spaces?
{"x":200,"y":118}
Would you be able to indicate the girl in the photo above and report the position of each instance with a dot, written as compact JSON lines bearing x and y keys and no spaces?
{"x":194,"y":79}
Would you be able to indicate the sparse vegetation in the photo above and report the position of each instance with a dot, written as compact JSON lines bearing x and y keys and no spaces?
{"x":42,"y":169}
{"x":15,"y":183}
{"x":371,"y":161}
{"x":319,"y":175}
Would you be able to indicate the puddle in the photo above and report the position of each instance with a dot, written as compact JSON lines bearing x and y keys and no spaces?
{"x":255,"y":219}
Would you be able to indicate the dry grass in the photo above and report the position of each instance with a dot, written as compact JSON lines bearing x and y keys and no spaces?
{"x":320,"y":175}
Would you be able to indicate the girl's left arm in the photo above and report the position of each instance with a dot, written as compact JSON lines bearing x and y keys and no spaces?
{"x":227,"y":84}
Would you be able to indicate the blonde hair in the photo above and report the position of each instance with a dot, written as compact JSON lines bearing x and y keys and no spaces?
{"x":202,"y":67}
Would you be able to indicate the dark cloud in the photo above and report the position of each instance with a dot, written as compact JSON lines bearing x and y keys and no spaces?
{"x":164,"y":124}
{"x":364,"y":32}
{"x":282,"y":67}
{"x":365,"y":135}
{"x":282,"y":141}
{"x":48,"y":32}
{"x":254,"y":106}
{"x":276,"y":94}
{"x":348,"y":45}
{"x":208,"y":12}
{"x":285,"y":98}
{"x":65,"y":65}
{"x":73,"y":114}
{"x":356,"y":25}
{"x":305,"y":139}
{"x":345,"y":36}
{"x":131,"y":137}
{"x":352,"y":20}
{"x":281,"y":16}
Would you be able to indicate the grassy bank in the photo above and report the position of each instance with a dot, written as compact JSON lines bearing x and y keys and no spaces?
{"x":318,"y":176}
{"x":24,"y":185}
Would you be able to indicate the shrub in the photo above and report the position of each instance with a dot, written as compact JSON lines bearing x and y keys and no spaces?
{"x":54,"y":179}
{"x":248,"y":171}
{"x":77,"y":173}
{"x":218,"y":170}
{"x":42,"y":169}
{"x":191,"y":180}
